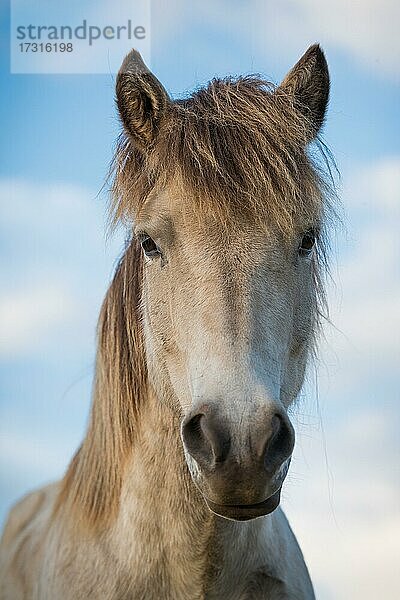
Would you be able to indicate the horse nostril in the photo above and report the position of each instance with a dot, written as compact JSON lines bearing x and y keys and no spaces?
{"x":193,"y":437}
{"x":279,"y":445}
{"x":205,"y":440}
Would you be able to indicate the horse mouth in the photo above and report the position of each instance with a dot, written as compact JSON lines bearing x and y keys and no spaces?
{"x":245,"y":512}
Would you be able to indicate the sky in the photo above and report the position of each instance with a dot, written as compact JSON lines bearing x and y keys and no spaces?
{"x":58,"y":134}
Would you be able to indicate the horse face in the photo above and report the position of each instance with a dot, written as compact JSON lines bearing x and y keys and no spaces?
{"x":228,"y":314}
{"x":229,"y":305}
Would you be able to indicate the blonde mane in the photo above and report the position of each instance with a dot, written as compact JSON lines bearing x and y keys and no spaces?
{"x":93,"y":480}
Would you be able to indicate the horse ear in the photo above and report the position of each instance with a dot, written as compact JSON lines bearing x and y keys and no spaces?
{"x":308,"y":86}
{"x":141,"y":99}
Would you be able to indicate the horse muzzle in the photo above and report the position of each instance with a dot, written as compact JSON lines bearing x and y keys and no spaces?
{"x":238,"y":467}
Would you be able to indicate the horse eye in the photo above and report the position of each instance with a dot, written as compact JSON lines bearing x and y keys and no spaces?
{"x":307,"y":244}
{"x":149,"y":247}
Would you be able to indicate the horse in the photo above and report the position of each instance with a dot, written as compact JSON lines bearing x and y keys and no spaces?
{"x":204,"y":339}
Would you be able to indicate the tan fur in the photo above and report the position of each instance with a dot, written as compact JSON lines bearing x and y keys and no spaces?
{"x":224,"y":182}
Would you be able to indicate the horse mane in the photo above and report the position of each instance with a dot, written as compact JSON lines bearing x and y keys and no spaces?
{"x":237,"y":144}
{"x":92,"y":484}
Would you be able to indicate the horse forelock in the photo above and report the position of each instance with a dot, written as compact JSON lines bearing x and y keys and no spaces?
{"x":236,"y":145}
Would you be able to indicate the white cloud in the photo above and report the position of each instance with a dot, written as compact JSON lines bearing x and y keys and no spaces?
{"x":345,"y":510}
{"x":366,"y":299}
{"x":56,"y":270}
{"x":376,"y":188}
{"x":42,"y":208}
{"x":29,"y":316}
{"x":364,"y":29}
{"x":24,"y":453}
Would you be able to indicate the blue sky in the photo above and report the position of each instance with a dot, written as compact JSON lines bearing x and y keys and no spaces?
{"x":58,"y":131}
